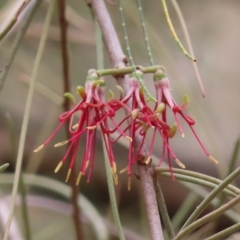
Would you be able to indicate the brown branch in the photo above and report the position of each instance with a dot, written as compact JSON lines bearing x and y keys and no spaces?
{"x":119,"y":60}
{"x":66,"y":107}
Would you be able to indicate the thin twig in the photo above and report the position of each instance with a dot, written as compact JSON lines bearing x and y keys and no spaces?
{"x":163,"y":209}
{"x":118,"y":59}
{"x":207,"y":218}
{"x":66,"y":107}
{"x":4,"y":167}
{"x":189,"y":44}
{"x":225,"y":232}
{"x":13,"y":20}
{"x":199,"y":182}
{"x":184,"y":210}
{"x":26,"y":117}
{"x":110,"y":183}
{"x":211,"y":196}
{"x":17,"y":43}
{"x":22,"y":188}
{"x":198,"y":176}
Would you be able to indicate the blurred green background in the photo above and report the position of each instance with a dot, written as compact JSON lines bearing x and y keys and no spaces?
{"x":214,"y":30}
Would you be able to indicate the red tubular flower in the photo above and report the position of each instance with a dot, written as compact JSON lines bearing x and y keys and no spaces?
{"x":94,"y":112}
{"x":164,"y":96}
{"x":142,"y":117}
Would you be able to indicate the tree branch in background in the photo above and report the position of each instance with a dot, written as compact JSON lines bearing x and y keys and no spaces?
{"x":66,"y":107}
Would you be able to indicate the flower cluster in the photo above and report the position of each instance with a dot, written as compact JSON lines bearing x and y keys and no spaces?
{"x":94,"y":112}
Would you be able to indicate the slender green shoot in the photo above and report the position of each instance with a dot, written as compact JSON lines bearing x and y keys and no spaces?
{"x":12,"y":22}
{"x":209,"y":217}
{"x":110,"y":183}
{"x":234,"y":157}
{"x":26,"y":116}
{"x":4,"y":167}
{"x":144,"y":29}
{"x":64,"y":191}
{"x":17,"y":43}
{"x":211,"y":196}
{"x":163,"y":209}
{"x":225,"y":232}
{"x":184,"y":210}
{"x":174,"y":33}
{"x":200,"y":182}
{"x":180,"y":173}
{"x":22,"y":188}
{"x":130,"y":54}
{"x":189,"y":44}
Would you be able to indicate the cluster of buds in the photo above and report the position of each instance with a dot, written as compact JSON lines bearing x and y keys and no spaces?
{"x":94,"y":112}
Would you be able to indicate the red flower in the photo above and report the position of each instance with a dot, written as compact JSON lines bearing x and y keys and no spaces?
{"x":164,"y":96}
{"x":93,"y":112}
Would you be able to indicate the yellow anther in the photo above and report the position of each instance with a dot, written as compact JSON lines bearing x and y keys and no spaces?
{"x":79,"y":178}
{"x":98,"y":82}
{"x":120,"y":89}
{"x":182,"y":135}
{"x":39,"y":148}
{"x":81,"y":91}
{"x":129,"y":138}
{"x":148,"y":160}
{"x":68,"y":175}
{"x":129,"y":183}
{"x":91,"y":127}
{"x":160,"y":108}
{"x":213,"y":159}
{"x":123,"y":170}
{"x":75,"y":126}
{"x":61,"y":143}
{"x":58,"y":167}
{"x":70,"y":97}
{"x":179,"y":163}
{"x":185,"y":100}
{"x":172,"y":130}
{"x":134,"y":113}
{"x":110,"y":95}
{"x":115,"y":178}
{"x":114,"y":167}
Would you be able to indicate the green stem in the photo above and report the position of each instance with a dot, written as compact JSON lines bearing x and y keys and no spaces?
{"x":130,"y":54}
{"x":230,"y":169}
{"x":26,"y":116}
{"x":128,"y":70}
{"x":197,"y":181}
{"x":4,"y":167}
{"x":12,"y":21}
{"x":146,"y":39}
{"x":17,"y":43}
{"x":198,"y":176}
{"x":184,"y":210}
{"x":112,"y":196}
{"x":97,"y":223}
{"x":207,"y":218}
{"x":174,"y":33}
{"x":225,"y":232}
{"x":189,"y":44}
{"x":163,"y":209}
{"x":211,"y":196}
{"x":21,"y":183}
{"x":234,"y":156}
{"x":110,"y":183}
{"x":66,"y":107}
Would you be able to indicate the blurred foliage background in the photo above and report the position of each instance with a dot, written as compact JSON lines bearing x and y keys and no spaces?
{"x":214,"y":31}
